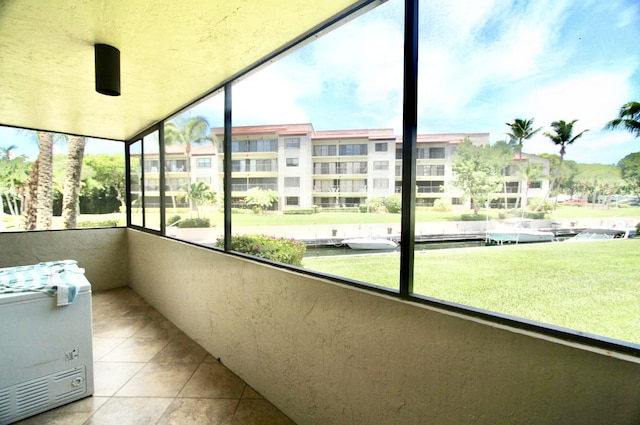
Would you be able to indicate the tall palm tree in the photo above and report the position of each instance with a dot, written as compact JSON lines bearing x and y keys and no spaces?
{"x":71,"y":195}
{"x":563,"y":137}
{"x":44,"y":178}
{"x":195,"y":130}
{"x":521,"y":130}
{"x":14,"y":173}
{"x":628,"y":119}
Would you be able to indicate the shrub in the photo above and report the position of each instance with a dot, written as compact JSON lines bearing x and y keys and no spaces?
{"x":443,"y":205}
{"x":300,"y":211}
{"x":194,"y":222}
{"x":548,"y":205}
{"x":473,"y":217}
{"x":534,"y":215}
{"x":283,"y":250}
{"x":241,"y":211}
{"x":393,"y":204}
{"x":362,"y":208}
{"x":99,"y":223}
{"x":173,"y":219}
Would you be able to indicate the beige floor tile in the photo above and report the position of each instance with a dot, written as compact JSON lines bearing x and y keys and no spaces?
{"x":196,"y":411}
{"x":159,"y":329}
{"x":130,"y":411}
{"x":136,"y":350}
{"x":158,"y":380}
{"x":142,"y":312}
{"x":75,"y":413}
{"x":119,"y":328}
{"x":213,"y":380}
{"x":259,"y":412}
{"x":181,"y":349}
{"x":103,"y":346}
{"x":109,"y":377}
{"x":250,"y":393}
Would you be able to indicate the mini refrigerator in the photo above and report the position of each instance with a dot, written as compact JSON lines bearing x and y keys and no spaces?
{"x":46,"y":357}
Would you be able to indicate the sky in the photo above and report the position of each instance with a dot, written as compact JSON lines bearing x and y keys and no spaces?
{"x":482,"y":64}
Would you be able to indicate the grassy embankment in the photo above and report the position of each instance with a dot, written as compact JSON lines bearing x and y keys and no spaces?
{"x":592,"y":287}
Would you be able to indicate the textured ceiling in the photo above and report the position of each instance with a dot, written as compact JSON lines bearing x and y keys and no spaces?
{"x":172,"y":52}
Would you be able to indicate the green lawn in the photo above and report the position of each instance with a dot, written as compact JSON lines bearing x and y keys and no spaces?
{"x":592,"y":287}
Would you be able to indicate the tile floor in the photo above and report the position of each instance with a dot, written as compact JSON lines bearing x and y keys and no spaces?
{"x":147,"y":371}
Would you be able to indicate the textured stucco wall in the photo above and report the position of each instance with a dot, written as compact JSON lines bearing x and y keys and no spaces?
{"x":329,"y":354}
{"x":101,"y":252}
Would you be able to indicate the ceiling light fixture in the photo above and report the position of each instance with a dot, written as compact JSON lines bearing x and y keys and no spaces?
{"x":107,"y":70}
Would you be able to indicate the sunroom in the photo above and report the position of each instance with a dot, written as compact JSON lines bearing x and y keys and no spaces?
{"x":320,"y":344}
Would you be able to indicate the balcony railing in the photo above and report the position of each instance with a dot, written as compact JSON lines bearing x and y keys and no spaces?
{"x":246,"y":187}
{"x":339,"y":189}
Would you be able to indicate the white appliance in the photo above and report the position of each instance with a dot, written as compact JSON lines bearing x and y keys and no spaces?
{"x":46,"y":357}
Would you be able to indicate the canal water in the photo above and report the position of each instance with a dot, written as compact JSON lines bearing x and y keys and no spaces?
{"x":345,"y":250}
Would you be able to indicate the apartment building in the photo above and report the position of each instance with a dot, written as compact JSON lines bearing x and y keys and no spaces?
{"x":333,"y":169}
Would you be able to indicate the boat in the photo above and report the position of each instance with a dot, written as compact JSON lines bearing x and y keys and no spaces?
{"x":518,"y":231}
{"x":603,"y":234}
{"x":370,"y":243}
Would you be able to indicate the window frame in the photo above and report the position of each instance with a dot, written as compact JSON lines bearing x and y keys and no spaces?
{"x":406,"y":154}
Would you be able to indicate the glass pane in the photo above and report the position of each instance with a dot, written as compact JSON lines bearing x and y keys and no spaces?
{"x":79,"y":181}
{"x":151,"y":180}
{"x":194,"y":172}
{"x":307,"y":132}
{"x":135,"y":165}
{"x":507,"y":92}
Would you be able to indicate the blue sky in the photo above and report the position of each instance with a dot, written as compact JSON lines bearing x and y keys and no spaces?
{"x":482,"y":63}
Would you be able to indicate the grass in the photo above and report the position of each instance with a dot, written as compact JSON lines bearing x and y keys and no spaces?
{"x":591,"y":287}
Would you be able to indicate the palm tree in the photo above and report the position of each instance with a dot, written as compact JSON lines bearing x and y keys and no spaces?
{"x":44,"y":178}
{"x":200,"y":193}
{"x":521,"y":130}
{"x":628,"y":119}
{"x":563,"y":137}
{"x":192,"y":131}
{"x":71,"y":195}
{"x":529,"y":172}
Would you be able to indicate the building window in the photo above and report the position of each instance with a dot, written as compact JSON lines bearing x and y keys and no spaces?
{"x":292,"y":182}
{"x":266,"y":145}
{"x":430,"y":170}
{"x":325,"y":150}
{"x":535,"y":185}
{"x":292,"y":143}
{"x":381,"y":147}
{"x":512,"y":187}
{"x":176,"y":165}
{"x":292,"y":162}
{"x":292,"y":201}
{"x":203,"y":163}
{"x":381,"y":183}
{"x":399,"y":153}
{"x":380,"y":165}
{"x":436,"y":153}
{"x":351,"y":150}
{"x":456,"y":201}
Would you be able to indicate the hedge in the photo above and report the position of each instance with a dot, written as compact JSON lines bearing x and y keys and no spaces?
{"x":283,"y":250}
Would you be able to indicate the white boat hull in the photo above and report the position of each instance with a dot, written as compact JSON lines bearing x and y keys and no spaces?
{"x":370,"y":243}
{"x":523,"y":236}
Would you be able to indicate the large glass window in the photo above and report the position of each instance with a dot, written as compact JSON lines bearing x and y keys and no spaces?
{"x":346,"y":80}
{"x":193,"y":158}
{"x":77,"y":182}
{"x":538,"y":67}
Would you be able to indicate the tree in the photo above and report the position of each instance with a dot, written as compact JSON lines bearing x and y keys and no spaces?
{"x":477,"y":171}
{"x":44,"y":179}
{"x":108,"y":174}
{"x":630,"y":169}
{"x":628,"y":119}
{"x":195,"y":130}
{"x":71,"y":195}
{"x":529,"y":172}
{"x":521,"y":130}
{"x":14,"y":174}
{"x":563,"y":137}
{"x":261,"y":199}
{"x":199,"y":193}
